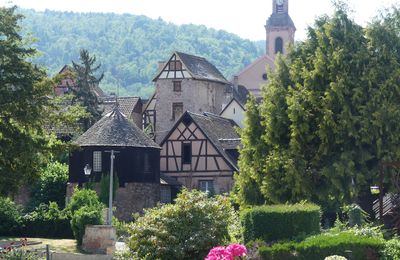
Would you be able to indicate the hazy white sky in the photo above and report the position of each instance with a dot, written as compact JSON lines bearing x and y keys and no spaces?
{"x":244,"y":18}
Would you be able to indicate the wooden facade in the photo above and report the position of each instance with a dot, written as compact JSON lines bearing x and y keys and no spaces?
{"x":194,"y":152}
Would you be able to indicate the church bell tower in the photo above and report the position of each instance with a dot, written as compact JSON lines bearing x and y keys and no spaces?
{"x":279,"y":28}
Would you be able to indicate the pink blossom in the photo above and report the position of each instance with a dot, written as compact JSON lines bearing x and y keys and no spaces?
{"x":237,"y":250}
{"x":219,"y":253}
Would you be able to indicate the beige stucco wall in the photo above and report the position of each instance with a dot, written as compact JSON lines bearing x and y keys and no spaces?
{"x":235,"y":112}
{"x":287,"y":35}
{"x":197,"y":96}
{"x":252,"y":76}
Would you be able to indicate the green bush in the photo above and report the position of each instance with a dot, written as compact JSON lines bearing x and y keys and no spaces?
{"x":392,"y":249}
{"x":105,"y":187}
{"x":280,"y":222}
{"x":187,"y":229}
{"x":51,"y":185}
{"x":83,"y":197}
{"x":85,"y":209}
{"x":86,"y":215}
{"x":324,"y":245}
{"x":278,"y":251}
{"x":47,"y":221}
{"x":10,"y":217}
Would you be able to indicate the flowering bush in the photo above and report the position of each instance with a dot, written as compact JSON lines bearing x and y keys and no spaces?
{"x":231,"y":252}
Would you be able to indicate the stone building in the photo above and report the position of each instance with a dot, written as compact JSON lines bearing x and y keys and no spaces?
{"x":201,"y":152}
{"x":137,"y":162}
{"x":187,"y":83}
{"x":280,"y":32}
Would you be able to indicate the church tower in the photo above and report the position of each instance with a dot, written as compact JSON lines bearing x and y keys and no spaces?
{"x":280,"y":28}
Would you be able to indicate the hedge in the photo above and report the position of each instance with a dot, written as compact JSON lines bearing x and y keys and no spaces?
{"x":324,"y":245}
{"x":280,"y":222}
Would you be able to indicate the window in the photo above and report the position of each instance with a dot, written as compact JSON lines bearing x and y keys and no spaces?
{"x":234,"y":110}
{"x":264,"y":76}
{"x":177,"y":86}
{"x":278,"y":45}
{"x":97,"y":161}
{"x":206,"y":186}
{"x":187,"y":153}
{"x":175,"y":65}
{"x":177,"y":110}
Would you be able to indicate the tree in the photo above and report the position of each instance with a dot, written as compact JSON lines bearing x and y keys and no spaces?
{"x":23,"y":95}
{"x":251,"y":160}
{"x":330,"y":112}
{"x":85,"y":82}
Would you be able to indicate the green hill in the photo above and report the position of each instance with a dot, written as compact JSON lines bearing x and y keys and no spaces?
{"x":130,"y":46}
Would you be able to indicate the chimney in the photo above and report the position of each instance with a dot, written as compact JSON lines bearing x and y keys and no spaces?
{"x":236,"y":83}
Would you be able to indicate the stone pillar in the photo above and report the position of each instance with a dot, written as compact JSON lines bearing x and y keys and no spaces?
{"x":99,"y":239}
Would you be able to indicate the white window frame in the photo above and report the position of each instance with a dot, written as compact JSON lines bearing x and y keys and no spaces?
{"x":209,"y":186}
{"x":97,"y":161}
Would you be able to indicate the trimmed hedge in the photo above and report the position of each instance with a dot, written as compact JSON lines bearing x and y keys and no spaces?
{"x":280,"y":222}
{"x":324,"y":245}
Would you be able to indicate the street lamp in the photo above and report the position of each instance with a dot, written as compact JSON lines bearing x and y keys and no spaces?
{"x":87,"y":170}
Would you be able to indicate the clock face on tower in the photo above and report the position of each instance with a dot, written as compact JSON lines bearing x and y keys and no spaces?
{"x":279,"y":2}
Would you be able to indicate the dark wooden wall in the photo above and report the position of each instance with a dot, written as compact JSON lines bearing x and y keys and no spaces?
{"x":129,"y":164}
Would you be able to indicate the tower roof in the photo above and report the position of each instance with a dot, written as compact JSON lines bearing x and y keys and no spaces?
{"x":280,"y":20}
{"x":115,"y":130}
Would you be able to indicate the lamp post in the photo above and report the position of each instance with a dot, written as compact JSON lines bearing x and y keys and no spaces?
{"x":87,"y":170}
{"x":110,"y":194}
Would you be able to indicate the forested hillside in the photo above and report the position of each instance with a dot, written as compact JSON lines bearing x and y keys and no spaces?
{"x":129,"y":46}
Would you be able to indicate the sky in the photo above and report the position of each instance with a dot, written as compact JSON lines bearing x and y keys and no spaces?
{"x":244,"y":18}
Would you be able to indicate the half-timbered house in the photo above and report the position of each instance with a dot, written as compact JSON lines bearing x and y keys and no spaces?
{"x":201,"y":152}
{"x":187,"y":83}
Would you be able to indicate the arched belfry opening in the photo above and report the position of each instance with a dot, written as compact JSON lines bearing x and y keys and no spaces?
{"x":278,"y":45}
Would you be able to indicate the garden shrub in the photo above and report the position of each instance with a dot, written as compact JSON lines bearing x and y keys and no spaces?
{"x":51,"y":185}
{"x":10,"y":217}
{"x":392,"y":249}
{"x":84,"y":208}
{"x":105,"y":187}
{"x":324,"y":245}
{"x":47,"y":221}
{"x":278,"y":251}
{"x":335,"y":257}
{"x":86,"y":215}
{"x":187,"y":229}
{"x":280,"y":222}
{"x":83,"y":197}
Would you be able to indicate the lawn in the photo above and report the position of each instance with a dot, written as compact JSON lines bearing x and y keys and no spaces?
{"x":57,"y":245}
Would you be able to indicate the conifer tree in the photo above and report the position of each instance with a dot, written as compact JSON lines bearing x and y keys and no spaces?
{"x":85,"y":82}
{"x":251,"y":163}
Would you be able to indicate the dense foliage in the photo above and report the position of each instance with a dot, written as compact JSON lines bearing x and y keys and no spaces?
{"x":23,"y":90}
{"x":51,"y":186}
{"x":280,"y":222}
{"x":47,"y":220}
{"x":330,"y":113}
{"x":129,"y":46}
{"x":10,"y":217}
{"x":187,"y":229}
{"x":321,"y":246}
{"x":83,"y":197}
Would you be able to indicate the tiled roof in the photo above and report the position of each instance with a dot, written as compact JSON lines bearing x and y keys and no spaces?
{"x":126,"y":105}
{"x":220,"y":131}
{"x":114,"y":129}
{"x":279,"y":20}
{"x":201,"y":69}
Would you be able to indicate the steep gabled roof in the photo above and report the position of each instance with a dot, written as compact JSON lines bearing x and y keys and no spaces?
{"x":230,"y":102}
{"x":198,"y":67}
{"x":114,"y":129}
{"x":219,"y":131}
{"x":126,"y":104}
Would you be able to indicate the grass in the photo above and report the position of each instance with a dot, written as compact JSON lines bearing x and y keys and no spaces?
{"x":57,"y":245}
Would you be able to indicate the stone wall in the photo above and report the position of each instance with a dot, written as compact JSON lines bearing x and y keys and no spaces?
{"x":197,"y":96}
{"x":132,"y":198}
{"x":135,"y":197}
{"x":99,"y":239}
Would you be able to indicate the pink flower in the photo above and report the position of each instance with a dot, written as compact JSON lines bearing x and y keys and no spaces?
{"x":219,"y":253}
{"x":230,"y":252}
{"x":237,"y":250}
